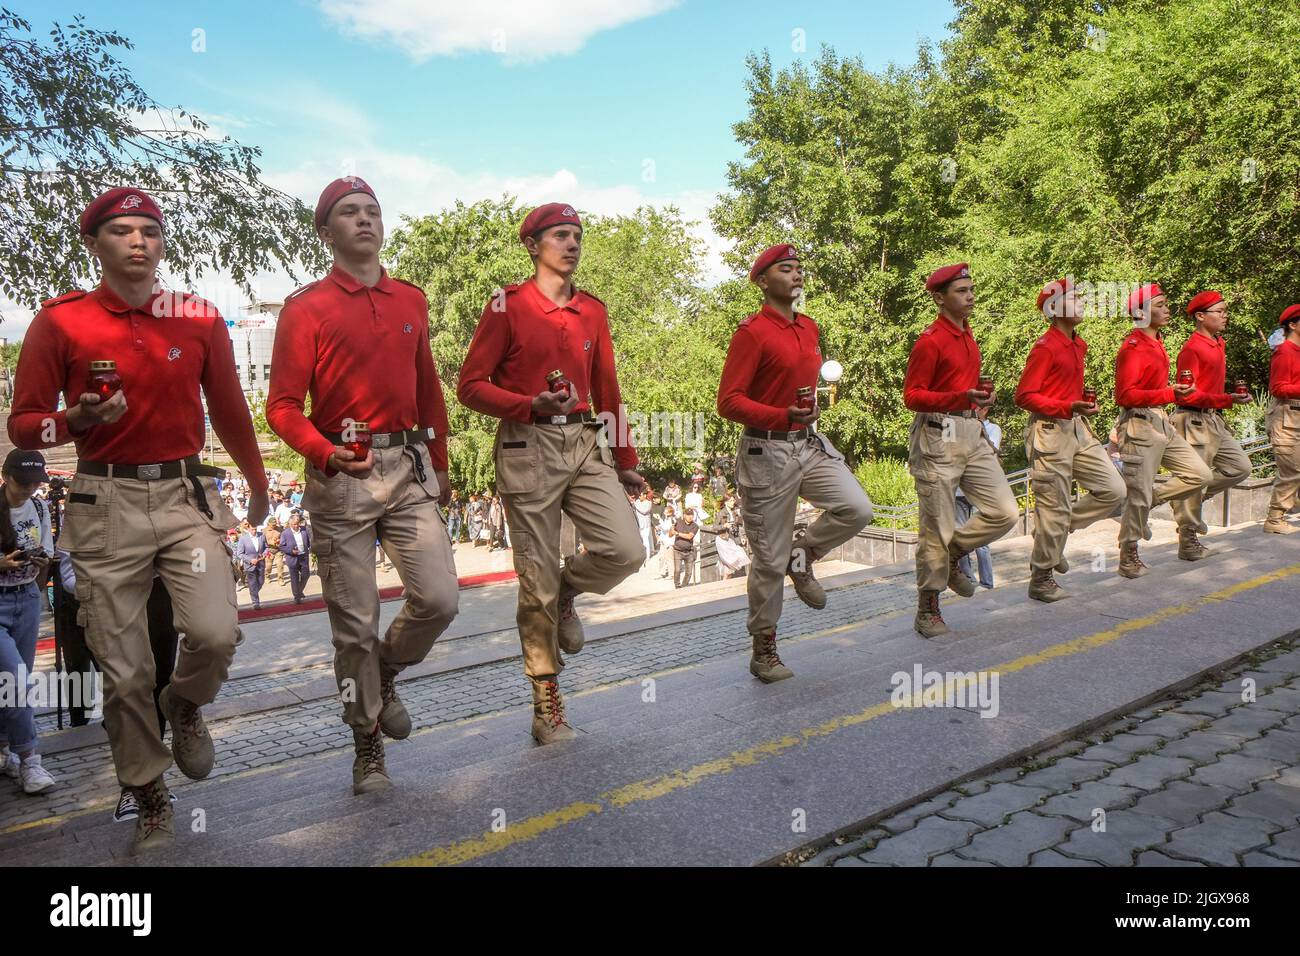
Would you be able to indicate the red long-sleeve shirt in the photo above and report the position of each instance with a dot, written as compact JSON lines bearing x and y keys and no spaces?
{"x":1205,"y":356}
{"x":166,"y":351}
{"x":363,"y":353}
{"x":1142,"y":372}
{"x":943,"y":367}
{"x":1053,"y":375}
{"x":1284,"y":371}
{"x":522,"y":337}
{"x":768,"y":361}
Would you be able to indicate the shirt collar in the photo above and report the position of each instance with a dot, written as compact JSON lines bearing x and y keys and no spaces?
{"x":1213,"y":341}
{"x":944,"y":322}
{"x":1073,"y":342}
{"x":348,"y":282}
{"x":546,"y":304}
{"x":111,"y":301}
{"x":799,"y":318}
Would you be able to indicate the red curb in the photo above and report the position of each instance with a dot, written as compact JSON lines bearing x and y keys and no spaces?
{"x":287,"y":609}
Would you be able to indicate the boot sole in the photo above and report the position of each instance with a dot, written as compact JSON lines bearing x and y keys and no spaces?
{"x":1046,"y":599}
{"x":143,"y":849}
{"x":371,"y":786}
{"x":768,"y":678}
{"x":812,"y":604}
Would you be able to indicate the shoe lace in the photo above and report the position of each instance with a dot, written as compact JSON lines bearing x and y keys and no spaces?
{"x":566,"y":608}
{"x":372,"y":753}
{"x":552,"y":704}
{"x":388,"y":690}
{"x":190,"y":718}
{"x":767,"y":650}
{"x":1133,"y":556}
{"x":151,"y":804}
{"x":932,"y":607}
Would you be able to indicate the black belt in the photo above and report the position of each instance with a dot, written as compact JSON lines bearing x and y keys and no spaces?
{"x":572,"y":418}
{"x":799,"y":434}
{"x":389,"y":439}
{"x":10,"y":588}
{"x":1204,"y":411}
{"x":1136,"y":413}
{"x":165,"y":469}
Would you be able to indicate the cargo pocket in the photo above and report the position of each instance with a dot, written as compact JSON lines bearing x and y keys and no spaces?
{"x":517,"y":466}
{"x":521,"y":544}
{"x":422,"y":468}
{"x":88,"y":518}
{"x":333,"y":584}
{"x":217,"y":516}
{"x":324,"y":495}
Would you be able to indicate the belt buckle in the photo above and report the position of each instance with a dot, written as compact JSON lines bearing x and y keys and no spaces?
{"x":149,"y":472}
{"x":559,"y":419}
{"x":381,"y":440}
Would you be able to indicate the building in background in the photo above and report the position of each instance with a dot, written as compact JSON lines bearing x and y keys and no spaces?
{"x":253,"y":335}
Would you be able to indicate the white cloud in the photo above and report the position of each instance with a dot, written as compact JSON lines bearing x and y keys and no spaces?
{"x":516,"y":30}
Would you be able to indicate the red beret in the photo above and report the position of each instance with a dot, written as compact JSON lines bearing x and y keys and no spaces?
{"x":1141,"y":297}
{"x":119,"y":202}
{"x":1202,"y":301}
{"x":1289,"y":313}
{"x":335,"y":191}
{"x":544,"y":217}
{"x":770,"y":257}
{"x":941,"y":277}
{"x":1053,"y":290}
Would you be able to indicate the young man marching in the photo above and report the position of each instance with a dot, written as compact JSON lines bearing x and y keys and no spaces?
{"x":949,"y":447}
{"x":1059,"y":441}
{"x":550,"y":456}
{"x":142,"y":502}
{"x":358,"y":342}
{"x":1284,"y":422}
{"x":769,"y":383}
{"x":1147,"y":438}
{"x":1199,"y":418}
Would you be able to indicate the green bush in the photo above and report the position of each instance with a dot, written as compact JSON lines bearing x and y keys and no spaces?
{"x":888,"y":482}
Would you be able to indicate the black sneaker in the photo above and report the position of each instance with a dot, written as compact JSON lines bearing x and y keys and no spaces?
{"x":127,"y":808}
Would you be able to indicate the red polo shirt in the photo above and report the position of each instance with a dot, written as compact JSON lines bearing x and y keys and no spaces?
{"x":522,"y":337}
{"x":768,"y":361}
{"x":943,"y":367}
{"x":1053,"y":375}
{"x":1142,"y":372}
{"x":1205,"y":356}
{"x":1283,"y":371}
{"x":362,"y":353}
{"x":164,"y":360}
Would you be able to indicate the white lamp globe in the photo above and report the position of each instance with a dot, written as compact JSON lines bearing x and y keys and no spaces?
{"x":832,"y":371}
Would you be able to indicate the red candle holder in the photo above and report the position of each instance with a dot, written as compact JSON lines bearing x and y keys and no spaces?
{"x":986,"y":384}
{"x":1240,"y":388}
{"x":1185,"y":377}
{"x":806,"y":398}
{"x":1090,"y":396}
{"x":361,"y":440}
{"x":559,"y":385}
{"x":103,"y":380}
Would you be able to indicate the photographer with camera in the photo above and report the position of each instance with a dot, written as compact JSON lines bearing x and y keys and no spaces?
{"x":26,"y":544}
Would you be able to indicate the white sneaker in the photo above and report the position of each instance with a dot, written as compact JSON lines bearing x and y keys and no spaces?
{"x":36,"y":779}
{"x":10,"y":763}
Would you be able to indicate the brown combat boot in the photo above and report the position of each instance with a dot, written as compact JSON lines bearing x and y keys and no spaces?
{"x":1277,"y":524}
{"x":766,"y":663}
{"x":393,"y":719}
{"x":368,"y":771}
{"x":155,"y":823}
{"x":191,"y":742}
{"x":549,"y":723}
{"x":806,"y":586}
{"x":1043,"y":587}
{"x":1190,"y":547}
{"x":1130,"y":565}
{"x":929,"y":622}
{"x":570,"y":633}
{"x":958,"y":579}
{"x":1062,"y":566}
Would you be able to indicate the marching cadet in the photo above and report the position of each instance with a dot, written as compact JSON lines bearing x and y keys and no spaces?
{"x":358,"y":342}
{"x":773,"y":361}
{"x":1199,"y":418}
{"x":141,"y":501}
{"x":540,"y":349}
{"x":1059,"y":442}
{"x":1147,"y":439}
{"x":1284,"y":422}
{"x":949,"y":447}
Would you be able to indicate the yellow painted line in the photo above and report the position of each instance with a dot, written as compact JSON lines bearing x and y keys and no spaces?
{"x":655,"y":787}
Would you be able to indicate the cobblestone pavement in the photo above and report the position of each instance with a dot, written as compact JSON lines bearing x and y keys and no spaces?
{"x":86,"y":776}
{"x":1208,"y":778}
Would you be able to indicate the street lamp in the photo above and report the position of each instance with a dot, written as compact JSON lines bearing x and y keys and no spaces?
{"x":832,"y":372}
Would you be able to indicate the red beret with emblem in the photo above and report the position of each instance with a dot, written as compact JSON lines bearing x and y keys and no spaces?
{"x":1053,"y":291}
{"x":1289,"y":313}
{"x":122,"y":201}
{"x":1202,"y":301}
{"x":1141,"y":297}
{"x":770,"y":257}
{"x":344,"y":186}
{"x":941,"y":277}
{"x":544,"y":217}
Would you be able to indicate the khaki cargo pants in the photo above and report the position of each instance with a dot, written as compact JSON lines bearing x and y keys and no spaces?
{"x":1061,"y":451}
{"x":1147,"y":441}
{"x":543,"y":471}
{"x":119,"y":531}
{"x":396,"y":503}
{"x":773,"y":475}
{"x":1284,"y":433}
{"x":947,"y":451}
{"x":1208,"y":434}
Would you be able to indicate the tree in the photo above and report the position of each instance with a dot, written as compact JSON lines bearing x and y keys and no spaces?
{"x":73,"y":123}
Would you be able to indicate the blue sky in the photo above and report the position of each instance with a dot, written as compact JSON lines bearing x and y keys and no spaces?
{"x":603,"y":104}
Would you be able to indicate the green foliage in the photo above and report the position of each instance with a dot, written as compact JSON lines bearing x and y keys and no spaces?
{"x":888,"y":483}
{"x":73,"y":123}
